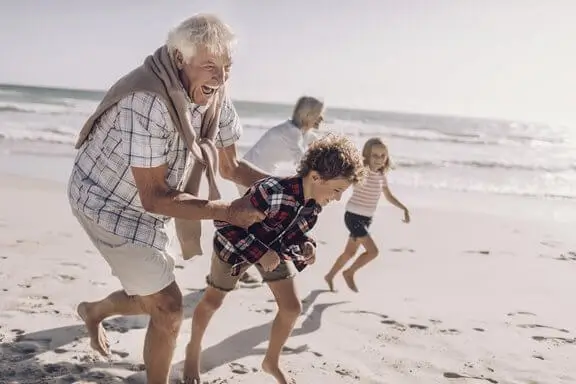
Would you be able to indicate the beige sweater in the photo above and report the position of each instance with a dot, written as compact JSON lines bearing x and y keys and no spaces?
{"x":158,"y":75}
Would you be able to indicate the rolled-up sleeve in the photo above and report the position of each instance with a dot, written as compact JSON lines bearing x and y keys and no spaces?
{"x":229,"y":129}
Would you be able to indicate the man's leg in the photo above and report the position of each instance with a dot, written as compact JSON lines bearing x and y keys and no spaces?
{"x":93,"y":313}
{"x":165,"y":310}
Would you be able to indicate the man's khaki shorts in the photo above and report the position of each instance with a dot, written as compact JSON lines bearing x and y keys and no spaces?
{"x":142,"y":271}
{"x":221,"y":278}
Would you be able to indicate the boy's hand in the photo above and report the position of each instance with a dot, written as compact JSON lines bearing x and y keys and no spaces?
{"x":309,"y":253}
{"x":269,"y":261}
{"x":406,"y":215}
{"x":243,"y":214}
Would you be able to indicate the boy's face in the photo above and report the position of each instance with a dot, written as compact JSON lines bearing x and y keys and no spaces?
{"x":326,"y":191}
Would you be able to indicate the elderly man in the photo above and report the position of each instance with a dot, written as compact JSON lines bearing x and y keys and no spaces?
{"x":140,"y":159}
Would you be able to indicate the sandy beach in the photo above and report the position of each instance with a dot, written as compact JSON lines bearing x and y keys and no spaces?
{"x":456,"y":296}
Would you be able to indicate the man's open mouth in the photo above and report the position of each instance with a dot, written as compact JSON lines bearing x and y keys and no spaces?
{"x":208,"y":91}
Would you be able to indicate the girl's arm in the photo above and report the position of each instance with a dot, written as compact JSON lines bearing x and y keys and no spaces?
{"x":394,"y":201}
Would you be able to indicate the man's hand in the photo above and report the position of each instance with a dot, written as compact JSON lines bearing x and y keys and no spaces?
{"x":243,"y":214}
{"x":309,"y":253}
{"x":269,"y":261}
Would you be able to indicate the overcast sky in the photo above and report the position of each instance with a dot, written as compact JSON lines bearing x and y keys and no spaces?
{"x":494,"y":58}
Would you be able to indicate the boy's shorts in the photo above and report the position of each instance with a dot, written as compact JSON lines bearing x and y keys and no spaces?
{"x":221,"y":278}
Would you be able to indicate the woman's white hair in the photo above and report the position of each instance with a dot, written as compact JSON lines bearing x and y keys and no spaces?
{"x":307,"y":108}
{"x":200,"y":30}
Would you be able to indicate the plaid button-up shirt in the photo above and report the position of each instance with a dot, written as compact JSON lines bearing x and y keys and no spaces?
{"x":288,"y":218}
{"x":137,"y":132}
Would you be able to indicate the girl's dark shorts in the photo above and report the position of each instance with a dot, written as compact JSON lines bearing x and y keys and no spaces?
{"x":357,"y":225}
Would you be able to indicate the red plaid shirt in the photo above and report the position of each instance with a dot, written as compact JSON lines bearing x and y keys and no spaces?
{"x":288,"y":218}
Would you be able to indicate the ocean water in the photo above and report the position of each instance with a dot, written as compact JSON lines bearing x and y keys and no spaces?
{"x":434,"y":152}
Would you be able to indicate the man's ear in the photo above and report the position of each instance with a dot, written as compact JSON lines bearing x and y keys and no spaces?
{"x":179,"y":60}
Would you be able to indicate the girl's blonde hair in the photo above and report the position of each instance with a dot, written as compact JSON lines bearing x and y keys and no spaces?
{"x":367,"y":152}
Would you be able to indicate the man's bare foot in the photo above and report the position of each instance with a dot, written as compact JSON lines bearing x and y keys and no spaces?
{"x":192,"y":366}
{"x":330,"y":281}
{"x":275,"y":371}
{"x":349,"y":279}
{"x":98,"y":339}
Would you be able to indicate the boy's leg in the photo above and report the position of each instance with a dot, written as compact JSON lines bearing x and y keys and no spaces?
{"x":281,"y":283}
{"x":220,"y":281}
{"x":370,"y":253}
{"x":349,"y":252}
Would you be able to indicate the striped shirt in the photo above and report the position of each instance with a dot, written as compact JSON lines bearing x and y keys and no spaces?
{"x":136,"y":132}
{"x":365,"y":196}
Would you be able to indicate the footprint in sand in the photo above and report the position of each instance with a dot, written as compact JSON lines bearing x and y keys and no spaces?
{"x":479,"y":252}
{"x":479,"y":329}
{"x":126,"y":323}
{"x":369,"y":313}
{"x":418,"y":326}
{"x":570,"y":256}
{"x":409,"y":250}
{"x":264,"y":310}
{"x":70,"y":264}
{"x":538,"y":357}
{"x":453,"y":375}
{"x":435,"y":321}
{"x":555,"y":340}
{"x":121,"y":354}
{"x":563,"y":330}
{"x":238,"y":368}
{"x":450,"y":331}
{"x":523,"y":313}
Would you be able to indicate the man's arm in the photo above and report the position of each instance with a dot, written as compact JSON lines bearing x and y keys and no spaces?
{"x":144,"y":123}
{"x":237,"y":170}
{"x":231,"y":167}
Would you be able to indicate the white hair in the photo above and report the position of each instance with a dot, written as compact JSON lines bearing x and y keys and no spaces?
{"x":200,"y":30}
{"x":306,"y":108}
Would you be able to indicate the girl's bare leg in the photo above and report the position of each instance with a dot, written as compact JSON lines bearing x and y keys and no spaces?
{"x":349,"y":252}
{"x":370,"y":253}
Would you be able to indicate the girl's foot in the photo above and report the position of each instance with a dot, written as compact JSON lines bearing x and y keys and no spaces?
{"x":349,"y":279}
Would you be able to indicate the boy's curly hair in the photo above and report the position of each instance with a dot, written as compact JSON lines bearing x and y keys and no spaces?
{"x":333,"y":156}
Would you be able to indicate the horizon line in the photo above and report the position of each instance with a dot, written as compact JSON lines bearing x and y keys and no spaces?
{"x":335,"y":106}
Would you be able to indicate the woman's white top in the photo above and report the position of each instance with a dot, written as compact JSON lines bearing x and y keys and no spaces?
{"x":282,"y":145}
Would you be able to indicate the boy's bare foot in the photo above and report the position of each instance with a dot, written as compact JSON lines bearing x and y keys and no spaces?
{"x":192,"y":366}
{"x":98,"y":339}
{"x":330,"y":281}
{"x":349,"y":279}
{"x":275,"y":371}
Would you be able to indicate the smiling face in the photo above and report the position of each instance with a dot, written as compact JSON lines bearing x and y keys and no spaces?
{"x":204,"y":74}
{"x":378,"y":158}
{"x":326,"y":191}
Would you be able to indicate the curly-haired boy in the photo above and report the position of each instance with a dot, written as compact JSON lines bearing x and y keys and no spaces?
{"x":279,"y":245}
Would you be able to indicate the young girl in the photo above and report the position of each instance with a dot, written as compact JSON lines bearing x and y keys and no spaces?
{"x":359,"y":211}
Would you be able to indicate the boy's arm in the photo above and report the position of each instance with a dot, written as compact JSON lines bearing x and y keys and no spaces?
{"x":266,"y":199}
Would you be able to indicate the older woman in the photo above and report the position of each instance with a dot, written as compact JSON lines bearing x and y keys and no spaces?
{"x":285,"y":144}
